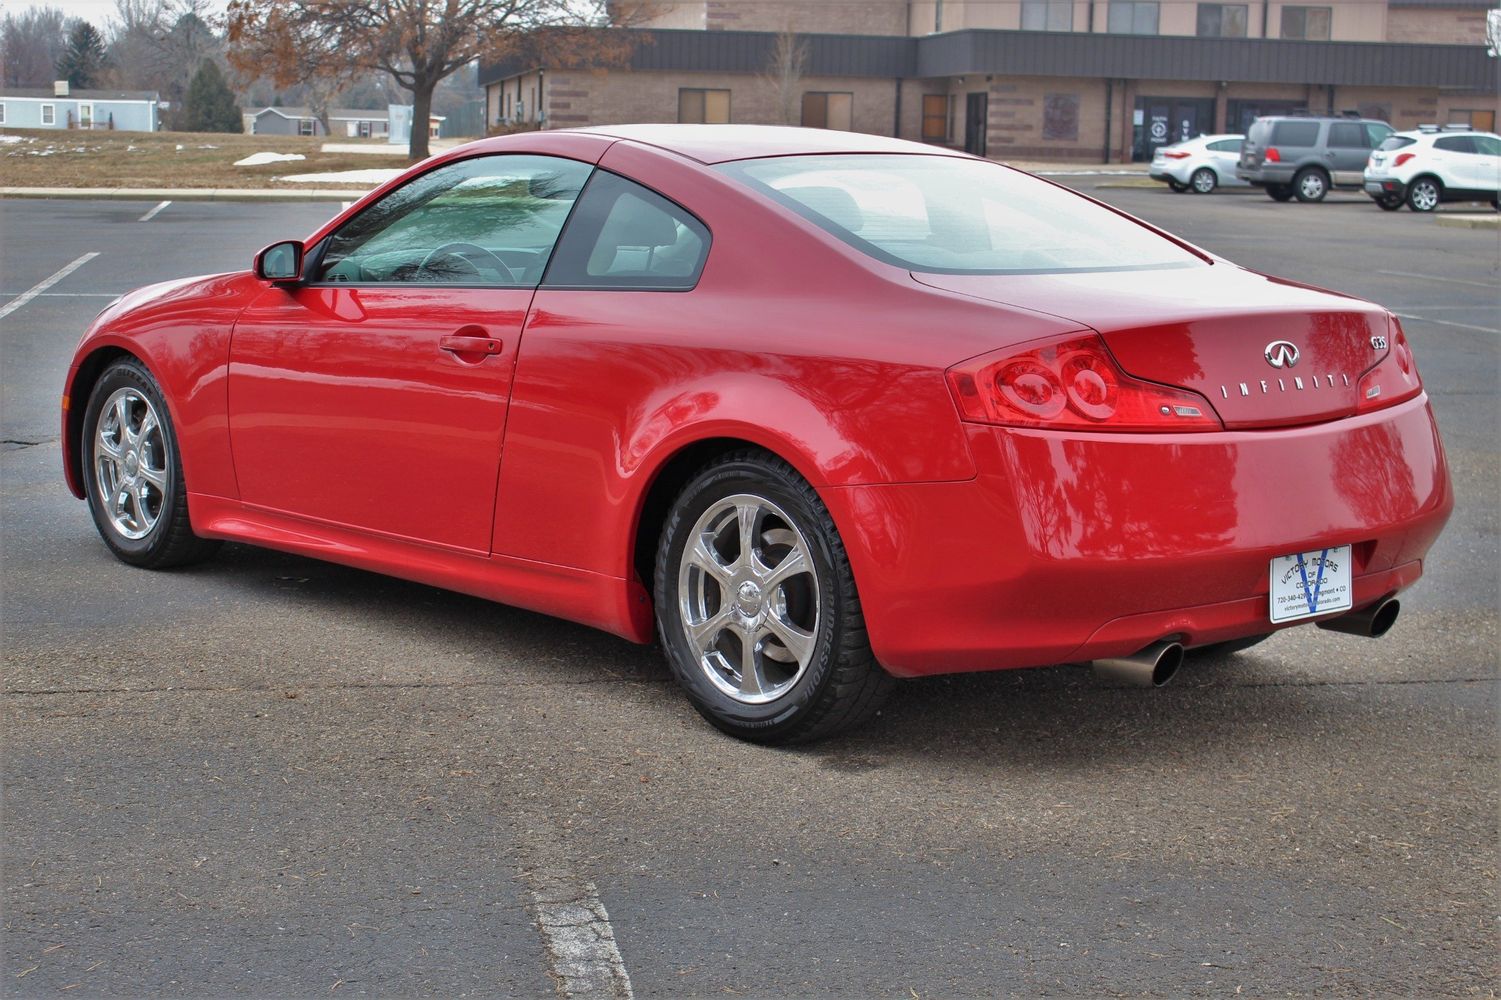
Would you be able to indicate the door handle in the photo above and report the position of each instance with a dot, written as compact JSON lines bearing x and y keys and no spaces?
{"x":456,"y":344}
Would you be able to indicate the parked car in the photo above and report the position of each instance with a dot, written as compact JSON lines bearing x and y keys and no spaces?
{"x":1199,"y":165}
{"x":1432,"y":165}
{"x":817,"y":409}
{"x":1303,"y":157}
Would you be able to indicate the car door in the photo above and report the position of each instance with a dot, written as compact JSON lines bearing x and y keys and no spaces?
{"x":1487,"y":164}
{"x":1455,"y":161}
{"x":1349,"y":149}
{"x":374,"y":394}
{"x":1225,"y":154}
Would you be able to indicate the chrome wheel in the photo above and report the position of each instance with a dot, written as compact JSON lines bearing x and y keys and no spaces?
{"x":749,"y":600}
{"x":1312,"y":186}
{"x":1204,"y":180}
{"x":1423,"y":196}
{"x":130,"y":463}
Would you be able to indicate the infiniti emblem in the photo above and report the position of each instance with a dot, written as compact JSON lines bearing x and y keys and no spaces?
{"x":1282,"y":354}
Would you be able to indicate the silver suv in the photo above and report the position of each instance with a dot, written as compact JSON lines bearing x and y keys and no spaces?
{"x":1303,"y":157}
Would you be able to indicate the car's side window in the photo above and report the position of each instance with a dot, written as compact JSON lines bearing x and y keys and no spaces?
{"x":1455,"y":144}
{"x":626,"y":236}
{"x":1225,"y":146}
{"x":1487,"y":145}
{"x":489,"y":221}
{"x":1349,"y":135}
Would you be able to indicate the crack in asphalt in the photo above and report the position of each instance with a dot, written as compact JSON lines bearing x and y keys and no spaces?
{"x":460,"y":685}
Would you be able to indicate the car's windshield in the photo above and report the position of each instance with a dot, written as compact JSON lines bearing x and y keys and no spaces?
{"x":958,"y":216}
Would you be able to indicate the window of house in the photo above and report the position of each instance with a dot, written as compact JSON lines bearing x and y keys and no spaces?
{"x":703,"y":106}
{"x":1047,"y":15}
{"x":49,"y":114}
{"x":937,"y":118}
{"x":625,"y":236}
{"x":1308,"y":23}
{"x":2,"y":112}
{"x":305,"y":126}
{"x":828,"y":110}
{"x":1223,"y":20}
{"x":1133,"y":17}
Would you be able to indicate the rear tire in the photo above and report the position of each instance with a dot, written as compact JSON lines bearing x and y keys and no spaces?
{"x":1204,"y":181}
{"x":1279,"y":192}
{"x":132,"y":472}
{"x":1178,"y":186}
{"x":764,"y":654}
{"x":1311,"y":184}
{"x":1424,"y":194}
{"x":1389,"y":202}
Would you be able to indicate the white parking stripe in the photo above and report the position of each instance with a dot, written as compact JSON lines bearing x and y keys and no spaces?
{"x":44,"y":284}
{"x":578,"y":937}
{"x":152,"y":214}
{"x":1445,"y":322}
{"x":1434,"y":277}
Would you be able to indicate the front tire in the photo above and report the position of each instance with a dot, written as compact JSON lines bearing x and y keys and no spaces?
{"x":757,"y":608}
{"x":1424,"y":194}
{"x":1311,"y":185}
{"x":132,"y":472}
{"x":1204,"y":181}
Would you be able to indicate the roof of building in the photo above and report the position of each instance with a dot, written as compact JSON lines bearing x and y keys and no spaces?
{"x":721,"y":143}
{"x":334,"y":114}
{"x":46,"y":94}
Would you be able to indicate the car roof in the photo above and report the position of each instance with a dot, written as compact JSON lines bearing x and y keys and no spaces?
{"x":1428,"y":133}
{"x":721,"y":143}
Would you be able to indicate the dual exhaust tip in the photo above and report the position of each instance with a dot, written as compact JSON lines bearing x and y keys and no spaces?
{"x":1156,"y":665}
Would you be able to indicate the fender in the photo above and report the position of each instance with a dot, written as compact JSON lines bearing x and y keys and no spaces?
{"x":180,"y":331}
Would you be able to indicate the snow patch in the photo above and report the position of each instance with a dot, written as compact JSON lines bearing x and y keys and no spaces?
{"x":256,"y":159}
{"x":377,"y":176}
{"x":6,"y":140}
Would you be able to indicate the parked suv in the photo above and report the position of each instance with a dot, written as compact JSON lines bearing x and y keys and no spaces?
{"x":1303,"y":157}
{"x":1432,"y":164}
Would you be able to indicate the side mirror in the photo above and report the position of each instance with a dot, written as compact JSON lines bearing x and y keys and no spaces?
{"x":280,"y":262}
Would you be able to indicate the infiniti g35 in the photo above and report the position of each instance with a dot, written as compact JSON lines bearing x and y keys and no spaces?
{"x":817,"y":410}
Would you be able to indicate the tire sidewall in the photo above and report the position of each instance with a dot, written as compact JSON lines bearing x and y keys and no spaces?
{"x":1303,"y":178}
{"x":708,"y":488}
{"x":140,"y":551}
{"x":1438,"y":194}
{"x":1209,"y":186}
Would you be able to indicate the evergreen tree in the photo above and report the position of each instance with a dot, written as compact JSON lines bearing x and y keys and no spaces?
{"x":210,"y":105}
{"x":82,"y":62}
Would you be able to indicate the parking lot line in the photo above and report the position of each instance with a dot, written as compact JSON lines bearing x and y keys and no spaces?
{"x":152,"y":214}
{"x":45,"y":283}
{"x":1434,"y":277}
{"x":579,"y":940}
{"x":1445,"y":322}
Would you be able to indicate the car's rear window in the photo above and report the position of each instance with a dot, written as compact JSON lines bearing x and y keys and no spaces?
{"x":950,"y":215}
{"x":1295,"y":134}
{"x":1396,"y":142}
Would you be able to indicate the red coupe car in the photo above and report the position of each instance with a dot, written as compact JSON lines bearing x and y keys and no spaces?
{"x":816,"y":409}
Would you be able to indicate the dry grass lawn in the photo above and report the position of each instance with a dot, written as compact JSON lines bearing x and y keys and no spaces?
{"x":57,"y":158}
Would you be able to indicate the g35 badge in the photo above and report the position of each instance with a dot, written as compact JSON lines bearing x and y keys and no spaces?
{"x":1378,"y":343}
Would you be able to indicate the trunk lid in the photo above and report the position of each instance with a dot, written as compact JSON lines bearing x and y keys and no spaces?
{"x":1265,"y":352}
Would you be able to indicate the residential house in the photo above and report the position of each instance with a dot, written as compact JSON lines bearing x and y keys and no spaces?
{"x":62,"y":107}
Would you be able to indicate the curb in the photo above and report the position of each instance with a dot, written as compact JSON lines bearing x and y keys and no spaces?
{"x":183,"y":194}
{"x":1469,"y":221}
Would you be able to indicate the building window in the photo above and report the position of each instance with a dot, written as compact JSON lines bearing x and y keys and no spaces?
{"x":1308,"y":23}
{"x":710,"y":107}
{"x":1133,"y":17}
{"x":1060,"y":117}
{"x":306,"y":126}
{"x":1047,"y":15}
{"x":937,"y":118}
{"x":49,"y":114}
{"x":828,"y":111}
{"x":1223,"y":20}
{"x":2,"y":112}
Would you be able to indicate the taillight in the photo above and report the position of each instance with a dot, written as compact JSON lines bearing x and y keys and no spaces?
{"x":1272,"y":156}
{"x":1176,"y":155}
{"x":1394,"y":378}
{"x":1071,"y":384}
{"x":1402,"y":158}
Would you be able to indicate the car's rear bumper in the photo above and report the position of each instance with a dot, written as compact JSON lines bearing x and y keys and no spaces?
{"x":1161,"y":172}
{"x":1072,"y":547}
{"x":1266,"y":174}
{"x":1384,"y":187}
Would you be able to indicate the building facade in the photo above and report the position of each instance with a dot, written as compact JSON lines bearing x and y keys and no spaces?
{"x":63,"y":108}
{"x":1085,"y":80}
{"x":349,"y":123}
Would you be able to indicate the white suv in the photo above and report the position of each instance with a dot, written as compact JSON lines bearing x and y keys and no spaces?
{"x":1432,"y":164}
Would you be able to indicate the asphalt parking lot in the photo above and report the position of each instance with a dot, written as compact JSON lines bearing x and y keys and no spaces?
{"x":266,"y":776}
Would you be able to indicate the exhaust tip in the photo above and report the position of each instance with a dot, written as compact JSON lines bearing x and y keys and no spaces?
{"x":1151,"y":667}
{"x":1372,"y":622}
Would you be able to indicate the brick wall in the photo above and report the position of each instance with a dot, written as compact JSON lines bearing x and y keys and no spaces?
{"x":1441,"y":25}
{"x":846,"y":17}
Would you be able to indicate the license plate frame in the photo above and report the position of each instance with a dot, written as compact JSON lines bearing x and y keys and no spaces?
{"x":1309,"y":584}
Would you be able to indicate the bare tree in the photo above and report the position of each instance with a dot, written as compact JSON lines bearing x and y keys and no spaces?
{"x":418,"y":42}
{"x":784,"y":75}
{"x":31,"y":42}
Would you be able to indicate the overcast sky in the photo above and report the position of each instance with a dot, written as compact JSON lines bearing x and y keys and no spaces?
{"x":98,"y":12}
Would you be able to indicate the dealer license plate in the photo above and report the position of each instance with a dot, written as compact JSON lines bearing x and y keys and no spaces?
{"x":1311,"y":583}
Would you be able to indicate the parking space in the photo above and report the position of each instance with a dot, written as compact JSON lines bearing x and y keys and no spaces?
{"x":270,"y":776}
